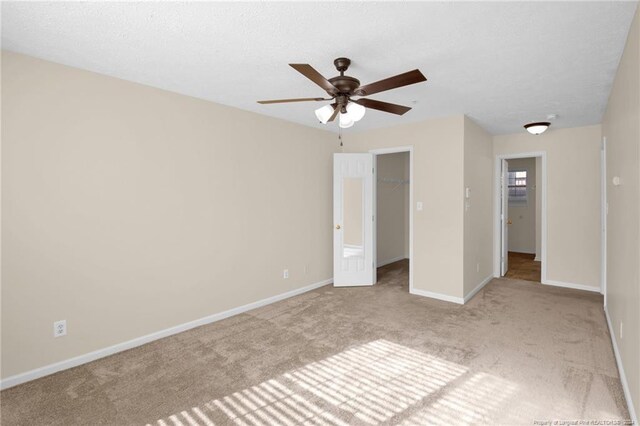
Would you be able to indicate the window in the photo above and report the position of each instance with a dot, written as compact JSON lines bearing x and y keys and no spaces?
{"x":517,"y":187}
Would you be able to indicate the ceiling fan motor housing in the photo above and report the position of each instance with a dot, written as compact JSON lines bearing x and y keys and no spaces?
{"x":345,"y":84}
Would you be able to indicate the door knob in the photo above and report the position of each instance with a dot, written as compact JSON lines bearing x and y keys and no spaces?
{"x":337,"y":226}
{"x":509,"y":222}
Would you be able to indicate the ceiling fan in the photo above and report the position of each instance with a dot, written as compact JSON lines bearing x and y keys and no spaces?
{"x":341,"y":88}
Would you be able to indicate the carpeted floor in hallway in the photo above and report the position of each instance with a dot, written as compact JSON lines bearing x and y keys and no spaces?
{"x":516,"y":353}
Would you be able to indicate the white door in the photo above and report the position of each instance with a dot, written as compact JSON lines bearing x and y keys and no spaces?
{"x":353,"y":177}
{"x":504,"y":218}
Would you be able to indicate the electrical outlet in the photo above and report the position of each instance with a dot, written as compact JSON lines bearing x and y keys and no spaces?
{"x":285,"y":274}
{"x":306,"y":269}
{"x":621,"y":334}
{"x":60,"y":328}
{"x":477,"y":267}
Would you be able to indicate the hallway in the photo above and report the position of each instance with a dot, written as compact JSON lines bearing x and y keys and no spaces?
{"x":522,"y":266}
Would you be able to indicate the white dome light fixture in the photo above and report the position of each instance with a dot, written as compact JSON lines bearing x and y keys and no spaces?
{"x":324,"y":113}
{"x":537,"y":128}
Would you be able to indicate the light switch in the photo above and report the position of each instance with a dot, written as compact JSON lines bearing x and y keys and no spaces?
{"x":467,"y":192}
{"x":419,"y":205}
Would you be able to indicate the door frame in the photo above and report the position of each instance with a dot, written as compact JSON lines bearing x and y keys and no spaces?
{"x":382,"y":151}
{"x":604,"y":207}
{"x":497,"y":244}
{"x":504,"y":219}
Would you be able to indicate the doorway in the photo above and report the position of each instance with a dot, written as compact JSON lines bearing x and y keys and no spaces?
{"x":392,"y":219}
{"x":520,"y":220}
{"x":393,"y":199}
{"x":523,"y":219}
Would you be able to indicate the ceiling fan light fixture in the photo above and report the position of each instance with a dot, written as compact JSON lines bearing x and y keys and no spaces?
{"x":537,"y":128}
{"x":355,"y":111}
{"x":346,"y":121}
{"x":323,"y":114}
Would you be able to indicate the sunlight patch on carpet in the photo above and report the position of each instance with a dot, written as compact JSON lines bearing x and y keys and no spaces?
{"x":368,"y":384}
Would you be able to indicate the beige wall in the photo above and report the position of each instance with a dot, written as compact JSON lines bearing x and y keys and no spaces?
{"x":478,"y":208}
{"x":621,"y":127}
{"x":438,"y":183}
{"x":522,"y":231}
{"x":128,"y":210}
{"x":573,"y":199}
{"x":392,"y":221}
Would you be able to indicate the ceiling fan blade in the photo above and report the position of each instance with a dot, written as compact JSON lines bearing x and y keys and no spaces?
{"x":313,"y":75}
{"x":382,"y":106}
{"x":336,"y":110}
{"x":278,"y":101}
{"x":394,"y":82}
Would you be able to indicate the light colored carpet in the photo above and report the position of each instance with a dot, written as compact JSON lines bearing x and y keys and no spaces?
{"x":516,"y":353}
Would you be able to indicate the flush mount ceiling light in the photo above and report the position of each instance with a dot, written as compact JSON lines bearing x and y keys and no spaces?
{"x":341,"y":88}
{"x":537,"y":128}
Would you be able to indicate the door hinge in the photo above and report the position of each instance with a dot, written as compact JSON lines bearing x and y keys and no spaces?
{"x":373,"y":218}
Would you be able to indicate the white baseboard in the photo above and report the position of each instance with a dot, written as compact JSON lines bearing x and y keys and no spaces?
{"x":623,"y":377}
{"x":571,"y":285}
{"x":478,"y":288}
{"x":537,"y":259}
{"x":444,"y":297}
{"x":139,"y":341}
{"x":387,"y":262}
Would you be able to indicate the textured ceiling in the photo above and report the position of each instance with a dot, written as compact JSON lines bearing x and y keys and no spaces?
{"x":502,"y":64}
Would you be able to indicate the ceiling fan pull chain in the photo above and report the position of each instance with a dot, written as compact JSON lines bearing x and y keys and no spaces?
{"x":340,"y":136}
